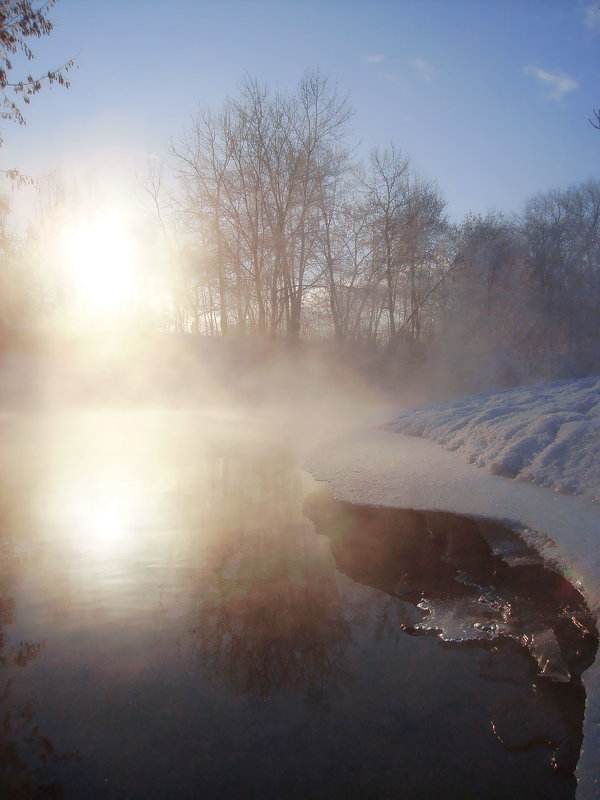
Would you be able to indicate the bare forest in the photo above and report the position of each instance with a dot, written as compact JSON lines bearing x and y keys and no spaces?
{"x":272,"y":229}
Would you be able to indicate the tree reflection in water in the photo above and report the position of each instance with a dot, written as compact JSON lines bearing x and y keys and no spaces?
{"x":151,"y":537}
{"x":267,"y":613}
{"x":25,"y":753}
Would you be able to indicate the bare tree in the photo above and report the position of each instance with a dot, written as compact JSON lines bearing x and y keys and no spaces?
{"x":257,"y":168}
{"x":561,"y":231}
{"x":386,"y":191}
{"x":408,"y":223}
{"x":203,"y":159}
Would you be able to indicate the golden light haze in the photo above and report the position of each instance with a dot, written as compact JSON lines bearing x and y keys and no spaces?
{"x":101,"y":257}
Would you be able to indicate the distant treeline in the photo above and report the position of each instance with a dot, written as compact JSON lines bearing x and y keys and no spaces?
{"x":275,"y":231}
{"x":284,"y":234}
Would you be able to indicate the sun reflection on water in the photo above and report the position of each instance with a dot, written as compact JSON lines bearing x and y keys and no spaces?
{"x":120,"y":496}
{"x":94,"y":514}
{"x":107,"y":524}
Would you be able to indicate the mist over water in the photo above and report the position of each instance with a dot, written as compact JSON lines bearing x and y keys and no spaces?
{"x":321,"y":383}
{"x":173,"y":623}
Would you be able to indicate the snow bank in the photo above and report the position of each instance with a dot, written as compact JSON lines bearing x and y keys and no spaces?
{"x":547,"y":434}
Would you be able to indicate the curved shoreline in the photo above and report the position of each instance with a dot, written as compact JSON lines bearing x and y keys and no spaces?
{"x":385,"y":468}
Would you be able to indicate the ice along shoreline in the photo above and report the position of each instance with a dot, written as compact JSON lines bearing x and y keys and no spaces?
{"x":380,"y":467}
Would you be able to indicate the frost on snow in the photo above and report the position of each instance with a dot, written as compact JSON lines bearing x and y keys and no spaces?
{"x":547,"y":434}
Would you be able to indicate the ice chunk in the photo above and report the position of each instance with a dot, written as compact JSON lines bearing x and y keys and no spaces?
{"x":544,"y":647}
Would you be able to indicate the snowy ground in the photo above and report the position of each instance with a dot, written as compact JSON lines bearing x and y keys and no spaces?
{"x":547,"y":434}
{"x":547,"y":437}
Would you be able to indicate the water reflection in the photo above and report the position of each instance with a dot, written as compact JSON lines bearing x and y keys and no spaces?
{"x":26,"y":754}
{"x":190,"y":634}
{"x":476,"y":583}
{"x":265,"y":610}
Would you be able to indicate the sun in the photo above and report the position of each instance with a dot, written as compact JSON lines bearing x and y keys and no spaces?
{"x":99,"y":258}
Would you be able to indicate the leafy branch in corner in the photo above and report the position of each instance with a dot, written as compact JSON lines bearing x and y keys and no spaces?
{"x":21,"y":21}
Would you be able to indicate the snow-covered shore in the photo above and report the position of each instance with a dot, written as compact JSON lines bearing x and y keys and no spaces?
{"x":546,"y":436}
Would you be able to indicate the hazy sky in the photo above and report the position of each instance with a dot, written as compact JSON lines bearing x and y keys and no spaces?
{"x":491,"y":99}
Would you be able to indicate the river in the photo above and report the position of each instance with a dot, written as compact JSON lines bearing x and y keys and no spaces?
{"x":185,"y":612}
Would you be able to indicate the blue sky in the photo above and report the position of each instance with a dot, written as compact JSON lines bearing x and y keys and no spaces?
{"x":490,"y":99}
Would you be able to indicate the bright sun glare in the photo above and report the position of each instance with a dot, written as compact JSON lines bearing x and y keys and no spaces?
{"x":99,"y":258}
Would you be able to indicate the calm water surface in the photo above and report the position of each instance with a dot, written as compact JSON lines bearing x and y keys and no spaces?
{"x":184,"y":613}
